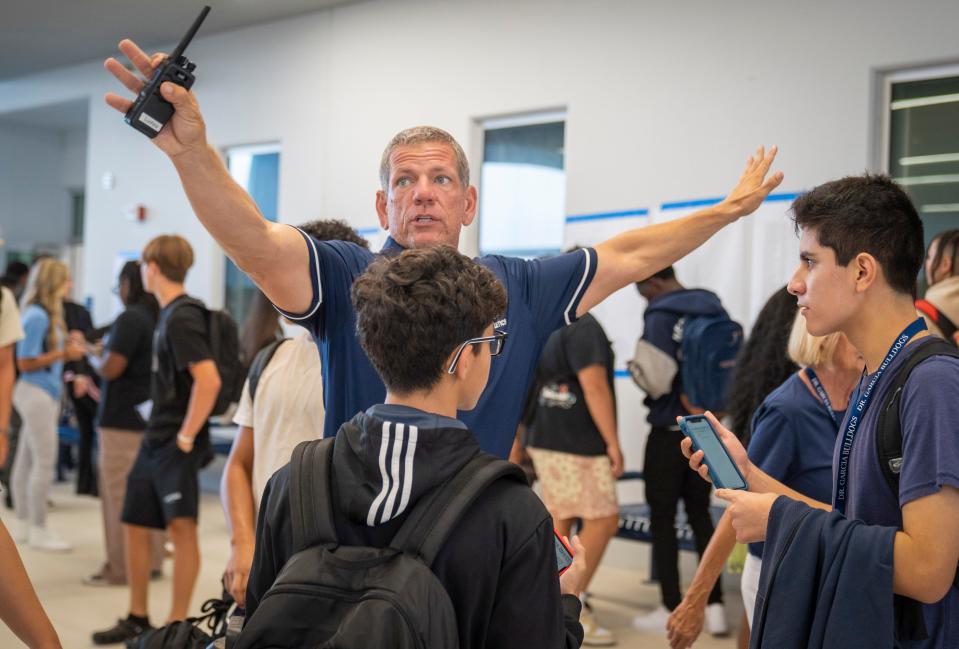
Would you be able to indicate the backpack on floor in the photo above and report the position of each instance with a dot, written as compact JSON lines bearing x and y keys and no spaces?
{"x":188,"y":634}
{"x":708,"y":353}
{"x":350,"y":597}
{"x":889,"y":426}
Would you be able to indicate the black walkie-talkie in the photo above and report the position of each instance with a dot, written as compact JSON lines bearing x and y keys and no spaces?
{"x":151,"y":111}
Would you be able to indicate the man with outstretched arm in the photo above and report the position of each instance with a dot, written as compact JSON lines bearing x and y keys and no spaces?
{"x":425,"y":200}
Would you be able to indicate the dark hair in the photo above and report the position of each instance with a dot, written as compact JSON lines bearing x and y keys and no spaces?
{"x":414,"y":309}
{"x":762,"y":364}
{"x":333,"y":230}
{"x":948,"y":245}
{"x":130,"y":273}
{"x":261,"y":327}
{"x":16,"y":270}
{"x":870,"y":214}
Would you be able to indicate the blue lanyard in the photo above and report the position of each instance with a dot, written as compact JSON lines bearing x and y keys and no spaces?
{"x":821,"y":391}
{"x":858,"y":412}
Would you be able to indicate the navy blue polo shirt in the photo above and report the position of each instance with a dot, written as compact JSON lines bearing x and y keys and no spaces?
{"x":542,"y":296}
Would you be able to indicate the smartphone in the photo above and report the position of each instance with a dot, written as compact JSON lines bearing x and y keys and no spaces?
{"x":564,"y":553}
{"x":722,"y":470}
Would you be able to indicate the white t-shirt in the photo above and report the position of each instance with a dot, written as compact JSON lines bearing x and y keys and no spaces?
{"x":10,"y":328}
{"x":288,"y":408}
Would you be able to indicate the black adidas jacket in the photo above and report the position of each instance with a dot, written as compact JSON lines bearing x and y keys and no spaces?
{"x":498,"y":566}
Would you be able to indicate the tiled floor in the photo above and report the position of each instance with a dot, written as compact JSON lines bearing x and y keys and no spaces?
{"x":618,"y":590}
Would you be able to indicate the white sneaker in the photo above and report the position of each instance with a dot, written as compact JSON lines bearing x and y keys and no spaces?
{"x":716,"y":620}
{"x":43,"y":539}
{"x":19,"y":531}
{"x":654,"y":622}
{"x":593,"y":634}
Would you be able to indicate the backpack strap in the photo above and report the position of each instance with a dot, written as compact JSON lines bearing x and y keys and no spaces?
{"x":889,"y":426}
{"x":311,"y":507}
{"x":946,"y":326}
{"x":439,"y":511}
{"x":260,"y":361}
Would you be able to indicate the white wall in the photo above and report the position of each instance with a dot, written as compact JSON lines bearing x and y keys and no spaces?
{"x":35,"y":175}
{"x":664,"y":103}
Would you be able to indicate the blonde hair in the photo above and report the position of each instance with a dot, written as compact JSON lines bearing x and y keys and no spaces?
{"x":44,"y":283}
{"x":807,"y":350}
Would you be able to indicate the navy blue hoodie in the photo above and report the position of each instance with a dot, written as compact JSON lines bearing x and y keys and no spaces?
{"x":826,"y":581}
{"x":663,"y":328}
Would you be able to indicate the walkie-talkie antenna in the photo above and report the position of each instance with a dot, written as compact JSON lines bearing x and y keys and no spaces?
{"x":190,"y":34}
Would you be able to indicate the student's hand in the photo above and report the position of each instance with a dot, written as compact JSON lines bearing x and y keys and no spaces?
{"x":685,"y":624}
{"x":185,"y":131}
{"x":81,"y":386}
{"x":736,"y":451}
{"x":749,"y":513}
{"x":615,"y":455}
{"x":753,"y":186}
{"x":184,"y":442}
{"x":571,"y":581}
{"x":237,"y":571}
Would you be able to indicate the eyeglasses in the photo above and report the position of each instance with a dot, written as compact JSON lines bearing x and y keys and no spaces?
{"x":496,"y":344}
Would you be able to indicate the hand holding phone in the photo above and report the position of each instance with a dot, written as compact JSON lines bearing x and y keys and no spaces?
{"x":564,"y":553}
{"x":722,"y":469}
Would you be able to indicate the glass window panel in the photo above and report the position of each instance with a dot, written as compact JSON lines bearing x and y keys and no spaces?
{"x":924,"y":149}
{"x":523,"y":190}
{"x":257,"y":170}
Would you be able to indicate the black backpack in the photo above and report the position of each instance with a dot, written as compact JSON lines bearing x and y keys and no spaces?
{"x":889,"y":426}
{"x":224,"y":338}
{"x":260,"y":361}
{"x":349,"y":597}
{"x":188,"y":633}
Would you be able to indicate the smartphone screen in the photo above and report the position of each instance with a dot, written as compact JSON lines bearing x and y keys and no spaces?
{"x":564,"y":558}
{"x":721,"y":467}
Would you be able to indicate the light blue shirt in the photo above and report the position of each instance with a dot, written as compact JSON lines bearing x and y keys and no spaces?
{"x":35,"y":324}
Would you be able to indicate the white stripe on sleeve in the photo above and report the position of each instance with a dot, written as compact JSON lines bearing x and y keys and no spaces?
{"x":394,"y":473}
{"x":408,"y":471}
{"x":578,"y":290}
{"x":384,"y":445}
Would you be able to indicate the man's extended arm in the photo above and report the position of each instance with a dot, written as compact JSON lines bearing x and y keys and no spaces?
{"x":273,"y":255}
{"x":635,"y":255}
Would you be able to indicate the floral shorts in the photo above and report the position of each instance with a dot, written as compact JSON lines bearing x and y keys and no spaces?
{"x":575,"y":486}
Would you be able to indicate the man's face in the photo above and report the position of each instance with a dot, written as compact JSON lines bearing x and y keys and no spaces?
{"x":426,"y":203}
{"x":825,"y":291}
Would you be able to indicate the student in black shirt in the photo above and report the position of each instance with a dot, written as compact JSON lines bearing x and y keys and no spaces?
{"x":162,"y":488}
{"x":574,"y":444}
{"x":125,"y":370}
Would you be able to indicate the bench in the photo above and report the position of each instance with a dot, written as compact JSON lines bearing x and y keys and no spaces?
{"x":634,"y":520}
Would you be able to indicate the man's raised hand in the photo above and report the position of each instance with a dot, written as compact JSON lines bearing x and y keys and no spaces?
{"x":185,"y":131}
{"x":753,"y":186}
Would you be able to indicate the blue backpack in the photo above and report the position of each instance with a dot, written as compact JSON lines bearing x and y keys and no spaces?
{"x":708,"y":353}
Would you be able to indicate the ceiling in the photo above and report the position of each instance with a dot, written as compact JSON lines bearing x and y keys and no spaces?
{"x":38,"y":35}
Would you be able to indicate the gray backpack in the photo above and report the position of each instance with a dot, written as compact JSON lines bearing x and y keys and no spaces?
{"x":333,"y":596}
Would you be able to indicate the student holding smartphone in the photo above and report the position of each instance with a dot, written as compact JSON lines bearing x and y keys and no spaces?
{"x":793,"y":435}
{"x":861,"y":249}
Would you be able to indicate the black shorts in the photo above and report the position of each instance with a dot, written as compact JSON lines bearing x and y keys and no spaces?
{"x":162,"y":485}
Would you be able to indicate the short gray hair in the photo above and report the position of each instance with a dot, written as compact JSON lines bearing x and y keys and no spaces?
{"x":421,"y":135}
